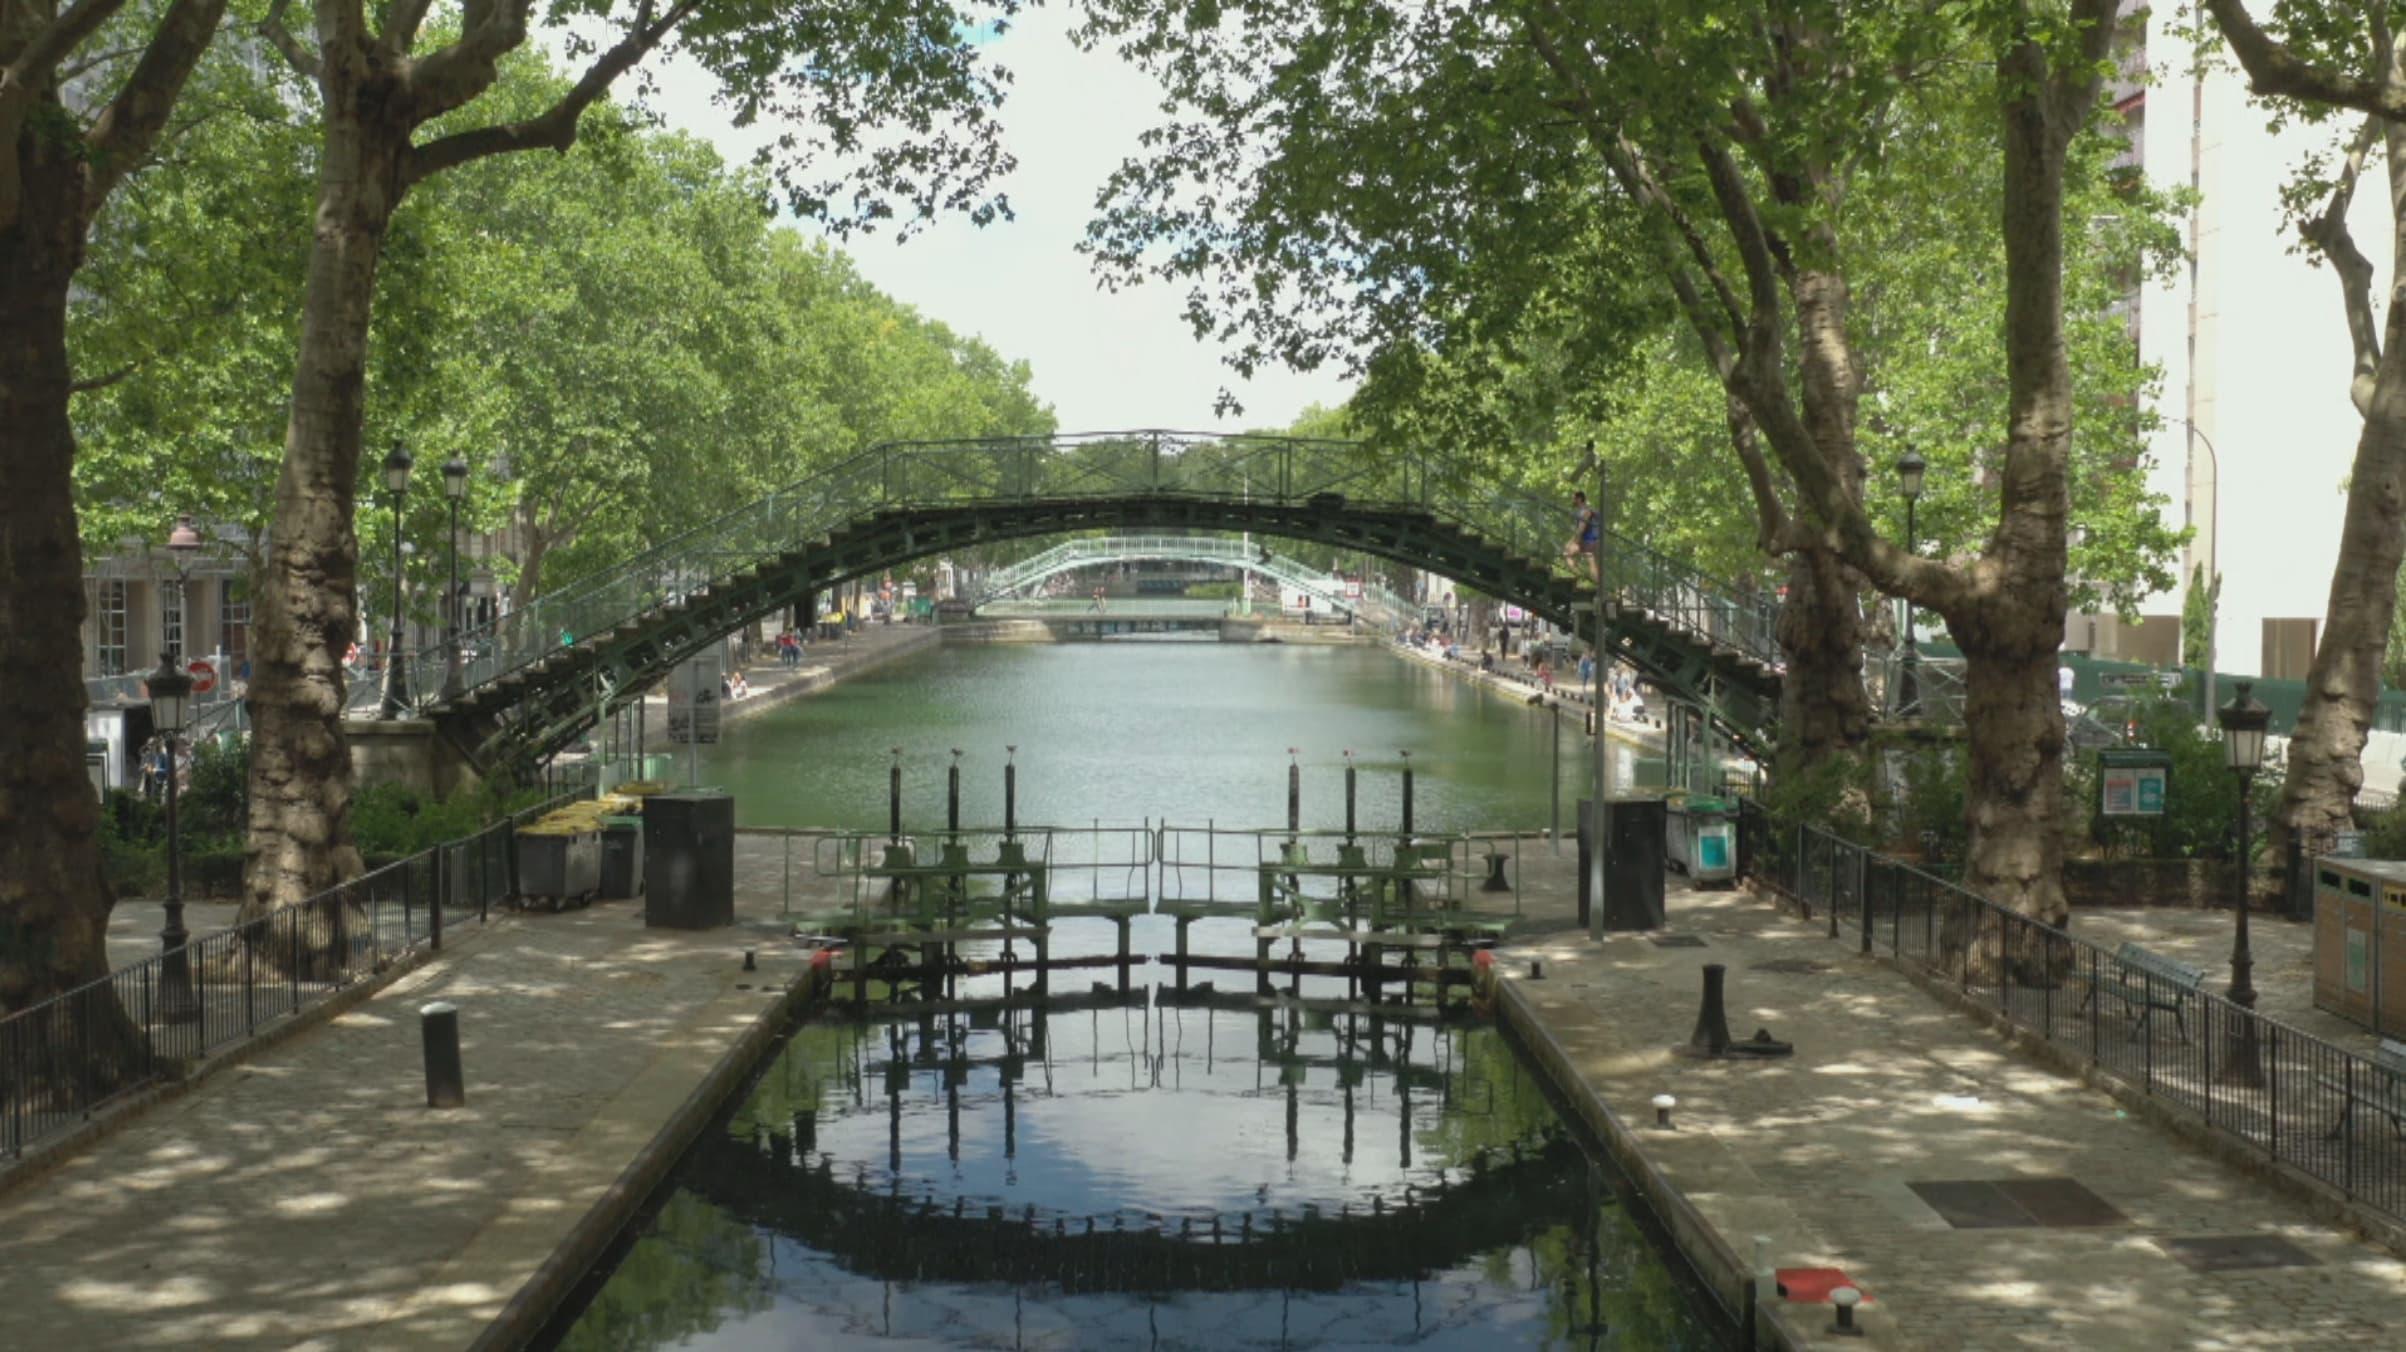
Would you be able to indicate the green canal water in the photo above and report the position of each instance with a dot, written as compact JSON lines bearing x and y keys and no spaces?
{"x":1191,"y":731}
{"x":1158,"y":1167}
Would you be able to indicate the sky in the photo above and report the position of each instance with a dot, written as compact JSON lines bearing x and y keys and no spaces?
{"x":1103,"y":361}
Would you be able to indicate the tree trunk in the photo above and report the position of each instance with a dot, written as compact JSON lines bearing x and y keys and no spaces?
{"x":2009,"y":622}
{"x":54,"y":903}
{"x":1824,"y":711}
{"x":2343,"y":687}
{"x":307,"y":605}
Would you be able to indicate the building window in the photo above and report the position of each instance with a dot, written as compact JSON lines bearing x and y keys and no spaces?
{"x":108,"y":626}
{"x":234,"y":622}
{"x":171,"y":620}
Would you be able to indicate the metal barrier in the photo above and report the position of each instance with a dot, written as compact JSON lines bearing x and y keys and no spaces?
{"x":66,"y":1057}
{"x":2298,"y":1099}
{"x":1059,"y":870}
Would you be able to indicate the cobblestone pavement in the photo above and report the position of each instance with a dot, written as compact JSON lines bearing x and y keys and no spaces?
{"x":1890,"y":1088}
{"x":310,"y":1198}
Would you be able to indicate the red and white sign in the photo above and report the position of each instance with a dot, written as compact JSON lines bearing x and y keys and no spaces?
{"x":204,"y":676}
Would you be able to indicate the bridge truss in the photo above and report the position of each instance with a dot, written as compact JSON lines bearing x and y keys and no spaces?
{"x":1211,"y":550}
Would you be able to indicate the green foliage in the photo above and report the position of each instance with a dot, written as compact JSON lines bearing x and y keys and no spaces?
{"x":2385,"y":834}
{"x":2197,"y":612}
{"x":1213,"y":591}
{"x":2201,"y":798}
{"x":392,"y":820}
{"x":133,"y":844}
{"x":215,"y":800}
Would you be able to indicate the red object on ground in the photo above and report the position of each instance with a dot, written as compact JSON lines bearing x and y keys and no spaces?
{"x":1485,"y":957}
{"x":1812,"y":1286}
{"x":824,"y":957}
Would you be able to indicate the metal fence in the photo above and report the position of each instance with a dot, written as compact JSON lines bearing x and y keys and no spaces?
{"x":2296,"y":1098}
{"x":68,"y":1056}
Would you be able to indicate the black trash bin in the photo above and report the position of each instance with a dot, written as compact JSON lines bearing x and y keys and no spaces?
{"x":1634,"y":861}
{"x":689,"y":860}
{"x":622,"y":857}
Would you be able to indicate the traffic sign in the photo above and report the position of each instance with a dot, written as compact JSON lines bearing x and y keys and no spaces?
{"x":204,"y":676}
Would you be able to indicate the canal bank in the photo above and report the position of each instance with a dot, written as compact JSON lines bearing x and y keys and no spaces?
{"x":1981,"y":1200}
{"x":310,"y":1197}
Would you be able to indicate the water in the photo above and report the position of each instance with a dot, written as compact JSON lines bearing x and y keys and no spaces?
{"x":1159,"y":1167}
{"x":1056,"y":1179}
{"x":1190,"y":731}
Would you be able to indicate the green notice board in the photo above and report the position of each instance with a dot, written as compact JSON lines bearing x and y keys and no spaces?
{"x":2131,"y":782}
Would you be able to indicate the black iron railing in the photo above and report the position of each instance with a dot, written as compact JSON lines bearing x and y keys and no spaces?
{"x":70,"y":1055}
{"x":2297,"y":1099}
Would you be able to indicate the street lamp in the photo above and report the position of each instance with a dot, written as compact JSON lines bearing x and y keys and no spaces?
{"x":170,"y":690}
{"x":396,"y":675}
{"x":455,"y":488}
{"x":2243,"y":722}
{"x":1909,"y":470}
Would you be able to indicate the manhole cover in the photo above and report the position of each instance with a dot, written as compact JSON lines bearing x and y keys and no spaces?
{"x":1790,"y":966}
{"x":1997,"y":1204}
{"x":1678,"y":941}
{"x":2229,"y":1253}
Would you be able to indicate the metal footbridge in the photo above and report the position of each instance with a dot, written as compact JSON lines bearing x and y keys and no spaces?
{"x":533,"y":681}
{"x":1219,"y":551}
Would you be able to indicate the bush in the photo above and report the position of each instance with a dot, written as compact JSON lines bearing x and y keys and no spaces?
{"x":215,"y":801}
{"x":214,"y":870}
{"x":2201,"y":799}
{"x":1212,"y":591}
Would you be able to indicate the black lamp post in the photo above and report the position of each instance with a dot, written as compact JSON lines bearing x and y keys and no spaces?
{"x":2243,"y":722}
{"x":455,"y":488}
{"x":170,"y":691}
{"x":1909,"y":470}
{"x":396,"y":672}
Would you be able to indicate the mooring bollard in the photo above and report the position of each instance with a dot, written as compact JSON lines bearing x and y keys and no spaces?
{"x":1844,"y":1300}
{"x":1712,"y":1020}
{"x":438,"y":1029}
{"x":1663,"y":1104}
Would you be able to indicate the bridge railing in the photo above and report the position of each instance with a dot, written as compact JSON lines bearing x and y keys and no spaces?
{"x":1288,"y":471}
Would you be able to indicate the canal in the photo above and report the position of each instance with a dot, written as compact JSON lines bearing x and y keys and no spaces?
{"x":1185,"y":730}
{"x":1161,"y":1166}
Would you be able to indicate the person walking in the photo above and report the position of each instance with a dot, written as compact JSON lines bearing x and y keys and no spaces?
{"x":1587,"y":537}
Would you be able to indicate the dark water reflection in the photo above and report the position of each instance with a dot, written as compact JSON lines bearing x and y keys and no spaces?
{"x":1159,"y":1168}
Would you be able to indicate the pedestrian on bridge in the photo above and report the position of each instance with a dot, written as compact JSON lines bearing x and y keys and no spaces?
{"x":1587,"y":534}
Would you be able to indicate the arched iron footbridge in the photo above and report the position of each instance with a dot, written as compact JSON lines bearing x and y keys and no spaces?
{"x":1219,"y":551}
{"x":532,"y":682}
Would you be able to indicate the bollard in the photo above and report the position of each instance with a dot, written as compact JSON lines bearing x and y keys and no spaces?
{"x":1294,"y":792}
{"x":749,"y":964}
{"x":894,"y":798}
{"x":1537,"y":970}
{"x":1663,"y":1104}
{"x":1844,"y":1300}
{"x":1349,"y":797}
{"x":952,"y":794}
{"x":1712,"y":1019}
{"x":1407,"y":793}
{"x":438,"y":1029}
{"x":1010,"y":792}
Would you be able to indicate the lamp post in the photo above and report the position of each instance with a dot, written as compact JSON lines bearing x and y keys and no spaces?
{"x":396,"y":672}
{"x":170,"y":690}
{"x":2243,"y":722}
{"x":1909,"y":470}
{"x":455,"y":488}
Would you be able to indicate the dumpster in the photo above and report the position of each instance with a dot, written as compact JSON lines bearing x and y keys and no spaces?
{"x":2360,"y":941}
{"x":622,"y":857}
{"x":1632,"y":835}
{"x":1702,"y":838}
{"x":558,"y":865}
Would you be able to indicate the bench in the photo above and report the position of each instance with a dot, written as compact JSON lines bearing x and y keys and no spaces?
{"x":2385,"y":1094}
{"x":2145,"y":982}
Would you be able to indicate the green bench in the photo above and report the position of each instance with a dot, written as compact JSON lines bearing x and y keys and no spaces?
{"x":2146,"y":982}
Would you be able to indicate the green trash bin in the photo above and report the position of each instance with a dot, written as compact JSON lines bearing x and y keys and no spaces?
{"x":622,"y":857}
{"x":1703,"y":841}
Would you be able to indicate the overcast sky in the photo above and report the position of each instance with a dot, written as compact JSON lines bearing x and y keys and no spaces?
{"x":1102,"y":361}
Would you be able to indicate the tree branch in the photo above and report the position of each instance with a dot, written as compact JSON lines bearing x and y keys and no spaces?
{"x":554,"y":128}
{"x":126,"y":130}
{"x":2074,"y":88}
{"x":402,"y":19}
{"x":103,"y":382}
{"x":51,"y":43}
{"x":303,"y":61}
{"x":451,"y":76}
{"x":2329,"y":234}
{"x":1772,"y":533}
{"x":2274,"y":71}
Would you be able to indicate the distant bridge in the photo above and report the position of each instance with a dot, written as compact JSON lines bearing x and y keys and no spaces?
{"x":1217,"y":551}
{"x":537,"y":678}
